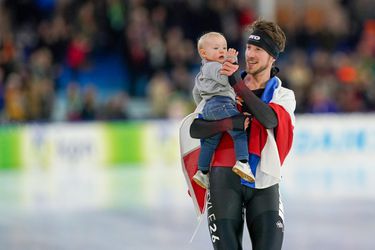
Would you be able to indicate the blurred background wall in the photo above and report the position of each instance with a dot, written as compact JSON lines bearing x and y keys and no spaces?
{"x":92,"y":93}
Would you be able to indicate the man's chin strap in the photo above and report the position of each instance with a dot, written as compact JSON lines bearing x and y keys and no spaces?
{"x":274,"y":71}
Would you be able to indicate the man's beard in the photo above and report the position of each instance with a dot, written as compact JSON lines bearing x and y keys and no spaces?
{"x":257,"y":71}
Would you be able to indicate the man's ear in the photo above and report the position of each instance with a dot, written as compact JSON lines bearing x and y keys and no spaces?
{"x":273,"y":60}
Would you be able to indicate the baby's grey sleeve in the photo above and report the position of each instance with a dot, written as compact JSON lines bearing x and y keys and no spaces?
{"x":196,"y":96}
{"x":212,"y":70}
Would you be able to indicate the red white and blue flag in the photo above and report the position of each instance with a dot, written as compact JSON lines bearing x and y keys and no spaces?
{"x":268,"y":148}
{"x":190,"y":149}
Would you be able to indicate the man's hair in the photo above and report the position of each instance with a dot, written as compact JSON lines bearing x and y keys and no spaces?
{"x":203,"y":37}
{"x":273,"y":30}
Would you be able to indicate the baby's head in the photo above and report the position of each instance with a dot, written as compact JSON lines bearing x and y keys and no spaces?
{"x":212,"y":46}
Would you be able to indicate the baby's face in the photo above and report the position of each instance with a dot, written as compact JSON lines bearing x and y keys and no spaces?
{"x":215,"y":48}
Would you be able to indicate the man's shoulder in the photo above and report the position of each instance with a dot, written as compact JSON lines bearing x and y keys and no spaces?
{"x":285,"y":97}
{"x":284,"y":90}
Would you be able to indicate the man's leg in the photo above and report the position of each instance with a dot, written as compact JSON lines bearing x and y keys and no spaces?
{"x":264,"y":218}
{"x":224,"y":209}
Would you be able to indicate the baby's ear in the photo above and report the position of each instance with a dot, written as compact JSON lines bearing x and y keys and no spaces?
{"x":202,"y":53}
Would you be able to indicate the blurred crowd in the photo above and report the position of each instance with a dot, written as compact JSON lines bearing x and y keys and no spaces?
{"x":329,"y":60}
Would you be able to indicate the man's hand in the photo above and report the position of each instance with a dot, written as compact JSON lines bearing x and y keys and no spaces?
{"x":240,"y":122}
{"x":239,"y":100}
{"x":247,"y":123}
{"x":228,"y":68}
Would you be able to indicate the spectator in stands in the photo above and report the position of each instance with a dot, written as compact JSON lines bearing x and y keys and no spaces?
{"x":153,"y":36}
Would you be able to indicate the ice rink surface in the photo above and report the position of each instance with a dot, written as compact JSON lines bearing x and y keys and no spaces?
{"x":143,"y":207}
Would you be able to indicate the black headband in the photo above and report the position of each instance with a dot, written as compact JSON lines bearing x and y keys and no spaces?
{"x":262,"y":39}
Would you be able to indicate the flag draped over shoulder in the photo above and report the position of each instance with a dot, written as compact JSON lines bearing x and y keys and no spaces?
{"x":190,"y":149}
{"x":268,"y":148}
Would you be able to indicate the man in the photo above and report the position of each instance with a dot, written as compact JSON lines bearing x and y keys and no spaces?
{"x":270,"y":107}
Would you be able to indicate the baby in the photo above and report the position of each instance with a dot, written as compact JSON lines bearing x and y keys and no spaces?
{"x":220,"y":98}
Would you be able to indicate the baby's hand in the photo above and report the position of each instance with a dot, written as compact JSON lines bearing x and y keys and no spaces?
{"x":231,"y":56}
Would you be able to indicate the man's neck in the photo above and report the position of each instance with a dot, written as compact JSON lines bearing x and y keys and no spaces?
{"x":257,"y":81}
